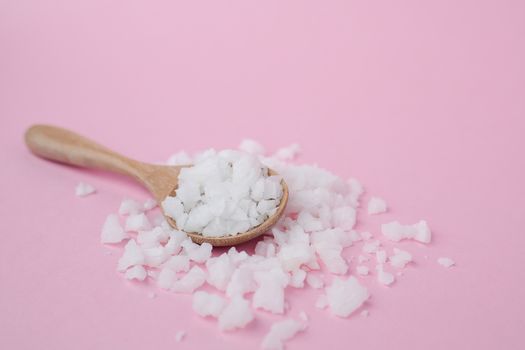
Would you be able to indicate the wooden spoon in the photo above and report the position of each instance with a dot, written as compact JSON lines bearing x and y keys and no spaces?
{"x":64,"y":146}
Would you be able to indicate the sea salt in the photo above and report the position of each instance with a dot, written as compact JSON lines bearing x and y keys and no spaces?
{"x":207,"y":304}
{"x":400,"y":258}
{"x":446,"y":262}
{"x":362,"y":270}
{"x":346,"y":296}
{"x":112,"y":231}
{"x":190,"y":282}
{"x":394,"y":231}
{"x":136,"y":272}
{"x":224,"y":193}
{"x":130,"y":206}
{"x":137,"y":222}
{"x":84,"y":189}
{"x":280,"y":332}
{"x":179,"y":336}
{"x":384,"y":277}
{"x":376,"y":205}
{"x":237,"y":314}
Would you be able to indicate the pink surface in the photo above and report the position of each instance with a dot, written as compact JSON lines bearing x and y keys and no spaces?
{"x":424,"y":102}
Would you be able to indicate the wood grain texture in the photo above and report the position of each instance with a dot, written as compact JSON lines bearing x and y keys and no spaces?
{"x":64,"y":146}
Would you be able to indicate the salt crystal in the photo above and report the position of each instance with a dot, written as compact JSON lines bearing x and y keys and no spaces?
{"x":371,"y":247}
{"x":376,"y":205}
{"x":130,"y":206}
{"x":269,"y":295}
{"x":361,"y":259}
{"x":251,"y":146}
{"x":297,"y":278}
{"x":381,"y":256}
{"x":178,"y":263}
{"x":149,"y":204}
{"x":346,"y":296}
{"x":384,"y":277}
{"x":84,"y":189}
{"x":220,"y":270}
{"x":132,"y":256}
{"x":314,"y":280}
{"x":362,"y":270}
{"x":166,"y":278}
{"x":179,"y":336}
{"x":237,"y":314}
{"x":197,"y":253}
{"x":394,"y":231}
{"x":191,"y":281}
{"x":446,"y":262}
{"x":112,"y":232}
{"x":136,"y":272}
{"x":400,"y":258}
{"x":137,"y":222}
{"x":280,"y":332}
{"x":206,"y":304}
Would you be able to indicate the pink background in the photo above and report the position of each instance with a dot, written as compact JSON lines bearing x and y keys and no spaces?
{"x":423,"y":101}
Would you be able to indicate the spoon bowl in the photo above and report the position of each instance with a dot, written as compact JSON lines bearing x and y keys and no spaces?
{"x":64,"y":146}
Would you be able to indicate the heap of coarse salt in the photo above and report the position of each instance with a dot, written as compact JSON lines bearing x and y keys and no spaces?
{"x":305,"y":249}
{"x":224,"y":194}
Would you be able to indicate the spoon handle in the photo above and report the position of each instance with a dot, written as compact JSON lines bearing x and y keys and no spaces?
{"x":67,"y":147}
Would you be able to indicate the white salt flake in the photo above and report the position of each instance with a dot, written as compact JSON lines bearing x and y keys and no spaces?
{"x":132,"y":256}
{"x":394,"y":231}
{"x":179,"y":158}
{"x":84,"y":189}
{"x":206,"y":304}
{"x":136,"y":272}
{"x":112,"y":231}
{"x":383,"y":276}
{"x":346,"y":296}
{"x":130,"y":207}
{"x":251,"y":146}
{"x":191,"y":281}
{"x":237,"y":314}
{"x":314,"y":280}
{"x":446,"y":262}
{"x":288,"y":153}
{"x":400,"y":258}
{"x":166,"y":278}
{"x":179,"y":336}
{"x":376,"y":205}
{"x":137,"y":222}
{"x":362,"y":270}
{"x":280,"y":332}
{"x":366,"y":235}
{"x":371,"y":247}
{"x":149,"y":204}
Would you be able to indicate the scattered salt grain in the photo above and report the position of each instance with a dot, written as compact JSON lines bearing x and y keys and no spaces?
{"x":346,"y":296}
{"x":112,"y":232}
{"x":446,"y":262}
{"x":132,"y":256}
{"x":297,"y":278}
{"x":84,"y":189}
{"x":237,"y":314}
{"x":196,"y":252}
{"x":206,"y":304}
{"x":376,"y":205}
{"x":394,"y":231}
{"x":280,"y":332}
{"x":137,"y":222}
{"x":136,"y":272}
{"x":400,"y":258}
{"x":383,"y":276}
{"x":371,"y":247}
{"x":179,"y":336}
{"x":166,"y":278}
{"x":314,"y":280}
{"x":381,"y":256}
{"x":362,"y":270}
{"x":130,"y":206}
{"x":149,"y":204}
{"x":191,"y":281}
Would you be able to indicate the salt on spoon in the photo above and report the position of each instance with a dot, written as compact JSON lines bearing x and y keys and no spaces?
{"x":162,"y":181}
